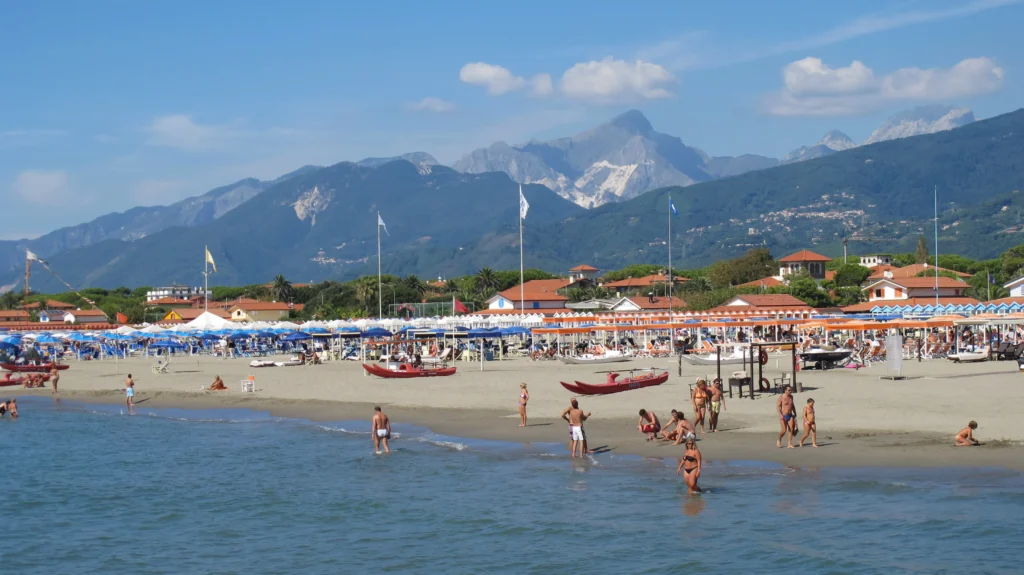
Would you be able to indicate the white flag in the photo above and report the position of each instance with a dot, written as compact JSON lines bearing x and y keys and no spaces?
{"x":380,"y":222}
{"x":32,"y":257}
{"x":524,"y":206}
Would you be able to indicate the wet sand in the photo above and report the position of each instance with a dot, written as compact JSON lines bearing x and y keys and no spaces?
{"x":862,"y":420}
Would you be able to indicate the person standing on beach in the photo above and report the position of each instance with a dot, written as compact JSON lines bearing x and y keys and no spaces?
{"x":787,"y":416}
{"x":129,"y":391}
{"x":574,"y":403}
{"x":690,"y":464}
{"x":54,"y":378}
{"x":649,"y":424}
{"x":524,"y":396}
{"x":699,"y":397}
{"x":810,"y":426}
{"x":717,"y":405}
{"x":380,"y":430}
{"x":575,"y":416}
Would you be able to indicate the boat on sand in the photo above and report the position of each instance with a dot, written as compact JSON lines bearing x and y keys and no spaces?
{"x":649,"y":378}
{"x":29,"y":368}
{"x":407,"y":370}
{"x":609,"y":356}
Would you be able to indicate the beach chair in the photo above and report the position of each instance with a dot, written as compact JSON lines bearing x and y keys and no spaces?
{"x":160,"y":367}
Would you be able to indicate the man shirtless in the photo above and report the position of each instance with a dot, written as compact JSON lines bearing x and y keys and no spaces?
{"x":699,"y":397}
{"x":575,"y":416}
{"x":717,"y":405}
{"x":810,"y":426}
{"x":684,"y":430}
{"x":380,"y":430}
{"x":966,"y":436}
{"x":54,"y":378}
{"x":649,"y":424}
{"x":787,"y":416}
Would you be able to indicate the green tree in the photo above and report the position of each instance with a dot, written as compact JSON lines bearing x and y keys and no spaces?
{"x":849,"y":275}
{"x":281,"y":289}
{"x":699,"y":284}
{"x":921,"y":252}
{"x":366,"y":292}
{"x":415,"y":285}
{"x":486,"y":278}
{"x":576,"y":295}
{"x":805,"y":288}
{"x":10,"y":300}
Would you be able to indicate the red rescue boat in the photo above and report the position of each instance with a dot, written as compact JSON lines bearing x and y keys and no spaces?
{"x":650,"y":378}
{"x":407,"y":370}
{"x":28,"y":368}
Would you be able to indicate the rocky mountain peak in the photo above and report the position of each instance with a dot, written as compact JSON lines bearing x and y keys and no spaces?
{"x":921,"y":120}
{"x":632,"y":121}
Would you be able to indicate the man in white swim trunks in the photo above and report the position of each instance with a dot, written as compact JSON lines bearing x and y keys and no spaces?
{"x":576,"y":417}
{"x":380,"y":430}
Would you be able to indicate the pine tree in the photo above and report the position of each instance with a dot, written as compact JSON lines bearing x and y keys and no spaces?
{"x":921,"y":253}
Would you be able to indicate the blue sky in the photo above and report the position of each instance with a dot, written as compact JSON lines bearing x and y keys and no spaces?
{"x":109,"y":105}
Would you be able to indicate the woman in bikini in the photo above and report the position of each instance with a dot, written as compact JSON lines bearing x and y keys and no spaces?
{"x":689,"y":466}
{"x":524,"y":396}
{"x":700,"y":401}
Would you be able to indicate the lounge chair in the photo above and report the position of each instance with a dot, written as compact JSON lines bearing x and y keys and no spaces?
{"x":161,"y":366}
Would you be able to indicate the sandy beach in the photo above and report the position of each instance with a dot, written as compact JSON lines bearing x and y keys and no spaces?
{"x":863,"y":420}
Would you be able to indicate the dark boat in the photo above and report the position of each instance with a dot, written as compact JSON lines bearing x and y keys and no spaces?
{"x":651,"y":378}
{"x":407,"y":370}
{"x":28,"y":368}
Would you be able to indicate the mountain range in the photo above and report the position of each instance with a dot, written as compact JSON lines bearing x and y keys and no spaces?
{"x":322,"y":223}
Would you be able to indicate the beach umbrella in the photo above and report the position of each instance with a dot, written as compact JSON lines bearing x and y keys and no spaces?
{"x":119,"y":337}
{"x":296,"y":336}
{"x":483,"y":333}
{"x":47,"y":339}
{"x":81,"y":337}
{"x":166,"y":344}
{"x":208,"y":337}
{"x":375,"y":332}
{"x":514,"y":330}
{"x":316,"y":330}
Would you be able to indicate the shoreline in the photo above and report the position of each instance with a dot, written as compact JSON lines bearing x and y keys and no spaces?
{"x":617,"y":435}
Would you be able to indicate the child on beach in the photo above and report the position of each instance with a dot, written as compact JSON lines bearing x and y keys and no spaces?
{"x":810,"y":426}
{"x":966,"y":436}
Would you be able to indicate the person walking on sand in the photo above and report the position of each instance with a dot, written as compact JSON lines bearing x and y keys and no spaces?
{"x":129,"y":391}
{"x":649,"y":424}
{"x":576,"y":417}
{"x":810,"y":426}
{"x":966,"y":436}
{"x":380,"y":430}
{"x":690,"y":464}
{"x":574,"y":403}
{"x":54,"y":378}
{"x":717,"y":405}
{"x":524,"y":396}
{"x":699,"y":397}
{"x":787,"y":416}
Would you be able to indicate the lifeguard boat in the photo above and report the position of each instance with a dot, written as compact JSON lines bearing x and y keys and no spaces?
{"x":407,"y":370}
{"x":613,"y":384}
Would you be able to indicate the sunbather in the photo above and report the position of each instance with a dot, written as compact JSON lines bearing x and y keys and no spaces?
{"x":218,"y":385}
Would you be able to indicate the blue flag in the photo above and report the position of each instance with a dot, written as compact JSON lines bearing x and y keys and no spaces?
{"x":672,"y":207}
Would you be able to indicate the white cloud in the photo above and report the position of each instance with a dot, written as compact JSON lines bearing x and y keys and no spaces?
{"x":612,"y":81}
{"x":179,"y":131}
{"x":47,"y":187}
{"x":436,"y":105}
{"x":812,"y":88}
{"x":497,"y":79}
{"x":540,"y":85}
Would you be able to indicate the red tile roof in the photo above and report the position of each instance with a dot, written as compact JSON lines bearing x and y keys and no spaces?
{"x":537,"y":290}
{"x":189,"y":314}
{"x":584,"y":268}
{"x":770,"y":300}
{"x":50,"y":304}
{"x":263,"y":306}
{"x":170,"y":301}
{"x":805,"y":256}
{"x":14,"y":314}
{"x":660,"y":302}
{"x":543,"y":311}
{"x":909,"y":302}
{"x":763,"y":282}
{"x":909,"y":271}
{"x":646,"y":281}
{"x":915,"y":282}
{"x":830,"y":275}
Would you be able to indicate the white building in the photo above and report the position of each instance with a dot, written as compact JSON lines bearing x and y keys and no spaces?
{"x":1016,"y":287}
{"x":876,"y":260}
{"x":174,"y":291}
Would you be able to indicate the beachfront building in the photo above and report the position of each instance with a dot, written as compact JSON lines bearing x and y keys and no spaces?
{"x":804,"y":260}
{"x":648,"y":303}
{"x":888,"y":289}
{"x":537,"y":295}
{"x":170,"y":302}
{"x":763,"y":305}
{"x":875,"y":260}
{"x":884,"y":271}
{"x":174,"y":291}
{"x":1016,"y":287}
{"x":189,"y":314}
{"x":583,"y":272}
{"x":260,"y":311}
{"x":12,"y":315}
{"x":85,"y":316}
{"x":642,"y":284}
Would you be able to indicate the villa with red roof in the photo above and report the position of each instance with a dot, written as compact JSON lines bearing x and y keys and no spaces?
{"x":804,"y":260}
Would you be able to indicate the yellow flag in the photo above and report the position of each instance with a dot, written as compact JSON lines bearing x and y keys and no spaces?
{"x":209,"y":259}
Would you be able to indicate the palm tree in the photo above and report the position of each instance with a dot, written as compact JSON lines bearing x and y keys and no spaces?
{"x":415,"y":284}
{"x":699,"y":284}
{"x":366,"y":291}
{"x":451,"y":286}
{"x":486,"y":278}
{"x":576,"y":295}
{"x":282,"y":289}
{"x":597,"y":292}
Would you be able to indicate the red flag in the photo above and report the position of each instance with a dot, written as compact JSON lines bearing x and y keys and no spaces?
{"x":121,"y":318}
{"x":459,"y":307}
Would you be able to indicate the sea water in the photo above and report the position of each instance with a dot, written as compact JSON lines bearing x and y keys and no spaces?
{"x":93,"y":489}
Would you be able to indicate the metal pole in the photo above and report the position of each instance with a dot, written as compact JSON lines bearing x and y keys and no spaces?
{"x":206,"y":280}
{"x":670,"y":282}
{"x":380,"y":302}
{"x":522,"y":289}
{"x":936,"y":247}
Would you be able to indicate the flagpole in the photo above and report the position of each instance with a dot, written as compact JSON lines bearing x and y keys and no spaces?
{"x":670,"y":259}
{"x":936,"y":246}
{"x":522,"y":290}
{"x":380,"y":302}
{"x":206,"y":279}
